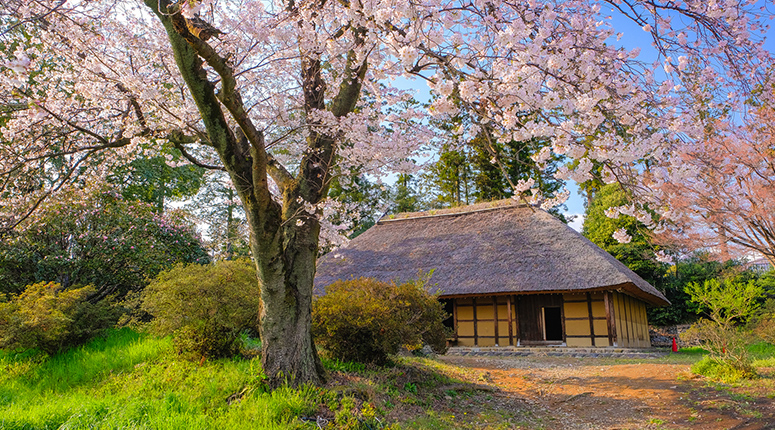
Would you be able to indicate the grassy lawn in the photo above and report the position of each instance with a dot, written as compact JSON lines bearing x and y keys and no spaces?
{"x":131,"y":380}
{"x":136,"y":381}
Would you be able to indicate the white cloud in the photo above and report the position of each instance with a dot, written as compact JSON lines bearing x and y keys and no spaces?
{"x":577,"y":222}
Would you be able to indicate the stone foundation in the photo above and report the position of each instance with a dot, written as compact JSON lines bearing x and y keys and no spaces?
{"x":662,"y":336}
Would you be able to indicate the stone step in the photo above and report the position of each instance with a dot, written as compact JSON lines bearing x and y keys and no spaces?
{"x":557,"y":352}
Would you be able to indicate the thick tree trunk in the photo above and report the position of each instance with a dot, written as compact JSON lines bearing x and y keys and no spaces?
{"x":289,"y":354}
{"x":284,"y":238}
{"x":286,"y":268}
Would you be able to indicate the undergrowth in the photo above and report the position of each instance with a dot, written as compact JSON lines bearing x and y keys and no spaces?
{"x":719,"y":370}
{"x":714,"y":368}
{"x":130,"y":380}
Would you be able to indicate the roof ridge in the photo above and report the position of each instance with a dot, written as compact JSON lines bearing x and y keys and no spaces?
{"x":460,"y":210}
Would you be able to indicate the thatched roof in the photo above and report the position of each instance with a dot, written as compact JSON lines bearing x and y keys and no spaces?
{"x":493,"y":248}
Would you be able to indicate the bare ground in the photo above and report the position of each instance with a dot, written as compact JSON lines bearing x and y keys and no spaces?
{"x":593,"y":393}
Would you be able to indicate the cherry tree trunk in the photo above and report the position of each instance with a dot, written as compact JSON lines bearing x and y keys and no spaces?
{"x":286,"y":267}
{"x":284,"y":237}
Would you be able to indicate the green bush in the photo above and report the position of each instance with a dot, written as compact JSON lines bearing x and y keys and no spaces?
{"x":95,"y":238}
{"x":727,"y":344}
{"x":365,"y":320}
{"x":720,"y":370}
{"x":765,"y":329}
{"x":763,"y":325}
{"x":205,"y":307}
{"x":49,"y":318}
{"x":728,"y":303}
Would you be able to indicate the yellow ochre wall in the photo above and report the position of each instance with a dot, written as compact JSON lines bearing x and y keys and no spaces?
{"x":632,"y":329}
{"x":629,"y":327}
{"x":485,"y":323}
{"x":576,"y":312}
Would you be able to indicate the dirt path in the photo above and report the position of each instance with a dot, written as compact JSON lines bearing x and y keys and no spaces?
{"x":587,"y":393}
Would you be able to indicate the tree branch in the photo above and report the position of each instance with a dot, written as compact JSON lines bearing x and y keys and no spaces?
{"x":232,"y":100}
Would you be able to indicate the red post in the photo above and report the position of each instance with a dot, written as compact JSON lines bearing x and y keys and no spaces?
{"x":675,"y":346}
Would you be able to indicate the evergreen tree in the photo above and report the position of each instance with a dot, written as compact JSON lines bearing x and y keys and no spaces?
{"x":637,"y":254}
{"x":490,"y":182}
{"x":599,"y":228}
{"x":405,"y":198}
{"x":153,"y":181}
{"x":484,"y":170}
{"x":451,"y":178}
{"x":217,"y":205}
{"x":364,"y":201}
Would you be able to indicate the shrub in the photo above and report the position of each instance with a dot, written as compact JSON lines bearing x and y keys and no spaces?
{"x":95,"y":238}
{"x":365,"y":320}
{"x":205,"y":307}
{"x":763,"y":325}
{"x":765,"y":329}
{"x":725,"y":343}
{"x":728,"y":303}
{"x":49,"y":318}
{"x":721,"y":370}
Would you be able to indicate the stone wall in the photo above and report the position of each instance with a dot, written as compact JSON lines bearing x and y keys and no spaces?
{"x":662,"y":336}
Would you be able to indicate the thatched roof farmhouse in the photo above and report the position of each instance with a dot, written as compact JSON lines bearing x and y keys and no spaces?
{"x":510,"y":274}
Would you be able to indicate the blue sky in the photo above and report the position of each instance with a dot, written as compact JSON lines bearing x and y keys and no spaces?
{"x":633,"y":36}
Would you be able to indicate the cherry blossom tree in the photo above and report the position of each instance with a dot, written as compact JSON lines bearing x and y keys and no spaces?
{"x":721,"y":197}
{"x":277,"y":93}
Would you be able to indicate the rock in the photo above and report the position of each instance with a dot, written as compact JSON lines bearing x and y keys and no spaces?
{"x":428,"y":351}
{"x":425,"y":351}
{"x":662,"y":336}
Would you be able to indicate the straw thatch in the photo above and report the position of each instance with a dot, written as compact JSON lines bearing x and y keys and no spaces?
{"x":495,"y":248}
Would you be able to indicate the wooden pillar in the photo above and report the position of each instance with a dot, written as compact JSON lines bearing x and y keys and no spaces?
{"x":476,"y":330}
{"x":609,"y":317}
{"x":495,"y":318}
{"x":454,"y":316}
{"x":516,"y":311}
{"x":511,"y":320}
{"x":591,"y":321}
{"x":640,"y":323}
{"x":562,"y":313}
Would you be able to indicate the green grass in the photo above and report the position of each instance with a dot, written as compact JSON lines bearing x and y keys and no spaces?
{"x":693,"y":351}
{"x":718,"y":370}
{"x":763,"y":354}
{"x":129,"y":380}
{"x":343,"y":366}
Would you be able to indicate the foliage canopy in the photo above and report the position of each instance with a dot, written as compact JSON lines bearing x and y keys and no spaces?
{"x":97,"y":239}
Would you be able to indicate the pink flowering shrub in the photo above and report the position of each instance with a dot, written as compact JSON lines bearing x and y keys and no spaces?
{"x":95,"y":239}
